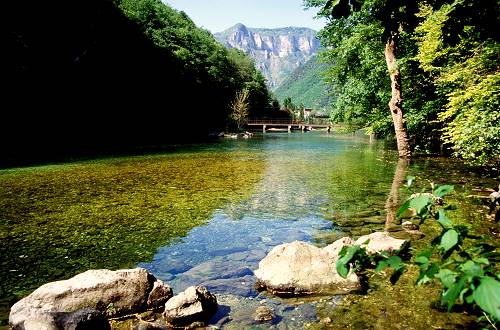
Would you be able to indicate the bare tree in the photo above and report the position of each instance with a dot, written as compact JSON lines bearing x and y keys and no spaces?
{"x":240,"y":107}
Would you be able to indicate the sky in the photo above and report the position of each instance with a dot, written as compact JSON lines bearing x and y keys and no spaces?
{"x":218,"y":15}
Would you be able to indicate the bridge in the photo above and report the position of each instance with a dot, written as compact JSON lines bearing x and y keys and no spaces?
{"x":287,"y":125}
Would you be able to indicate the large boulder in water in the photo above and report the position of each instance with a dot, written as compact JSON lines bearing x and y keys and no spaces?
{"x":300,"y":268}
{"x":108,"y":292}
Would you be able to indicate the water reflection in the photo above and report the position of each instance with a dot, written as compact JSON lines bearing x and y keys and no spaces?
{"x":306,"y":180}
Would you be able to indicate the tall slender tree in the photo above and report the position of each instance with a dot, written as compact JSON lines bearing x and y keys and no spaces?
{"x":395,"y":16}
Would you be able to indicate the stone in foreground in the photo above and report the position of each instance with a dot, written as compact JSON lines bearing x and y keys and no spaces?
{"x":192,"y":308}
{"x":299,"y":268}
{"x":110,"y":293}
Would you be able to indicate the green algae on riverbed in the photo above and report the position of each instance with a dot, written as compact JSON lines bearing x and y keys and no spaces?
{"x":57,"y":221}
{"x":60,"y":220}
{"x":404,"y":305}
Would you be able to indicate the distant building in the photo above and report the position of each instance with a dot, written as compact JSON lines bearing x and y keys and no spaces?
{"x":307,"y":113}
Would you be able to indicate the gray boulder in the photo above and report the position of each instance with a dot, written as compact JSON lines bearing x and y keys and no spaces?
{"x":299,"y":268}
{"x":380,"y":242}
{"x":112,"y":293}
{"x":335,"y":248}
{"x":192,"y":308}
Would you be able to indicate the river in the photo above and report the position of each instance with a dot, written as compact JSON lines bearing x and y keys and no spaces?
{"x":203,"y":214}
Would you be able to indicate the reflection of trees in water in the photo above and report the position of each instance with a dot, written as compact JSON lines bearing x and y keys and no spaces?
{"x":392,"y":202}
{"x":324,"y":183}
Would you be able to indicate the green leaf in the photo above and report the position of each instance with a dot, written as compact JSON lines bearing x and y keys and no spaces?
{"x":487,"y":296}
{"x":423,"y":279}
{"x":449,"y":240}
{"x":481,"y":260}
{"x":443,"y":220}
{"x":409,"y":180}
{"x":472,"y":269}
{"x":432,"y":270}
{"x":403,"y":208}
{"x":381,"y":266}
{"x":421,"y":203}
{"x":396,"y":262}
{"x":443,"y":190}
{"x":447,"y":277}
{"x":348,"y":254}
{"x":450,"y":296}
{"x":341,"y":268}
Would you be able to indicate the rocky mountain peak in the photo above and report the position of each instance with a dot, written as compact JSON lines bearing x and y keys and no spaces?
{"x":277,"y":52}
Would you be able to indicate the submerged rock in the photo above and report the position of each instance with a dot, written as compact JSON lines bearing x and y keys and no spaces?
{"x":263,"y":314}
{"x":111,"y":293}
{"x":300,"y":268}
{"x":192,"y":308}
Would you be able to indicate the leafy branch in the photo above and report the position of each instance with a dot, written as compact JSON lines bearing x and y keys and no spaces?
{"x":464,"y":266}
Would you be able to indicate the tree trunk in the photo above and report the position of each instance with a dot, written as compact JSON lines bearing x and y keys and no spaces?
{"x":396,"y":102}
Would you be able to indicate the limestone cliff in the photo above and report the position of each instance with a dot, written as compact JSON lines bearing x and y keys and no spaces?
{"x":277,"y":52}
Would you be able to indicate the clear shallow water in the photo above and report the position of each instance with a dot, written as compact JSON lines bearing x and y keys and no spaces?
{"x":202,"y":214}
{"x":306,"y":179}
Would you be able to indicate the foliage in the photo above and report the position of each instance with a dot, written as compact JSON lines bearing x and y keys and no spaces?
{"x":355,"y":37}
{"x":240,"y":108}
{"x":465,"y":71}
{"x":448,"y":60}
{"x":251,"y":79}
{"x":466,"y":270}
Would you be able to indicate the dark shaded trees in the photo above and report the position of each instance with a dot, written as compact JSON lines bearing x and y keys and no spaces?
{"x":101,"y":75}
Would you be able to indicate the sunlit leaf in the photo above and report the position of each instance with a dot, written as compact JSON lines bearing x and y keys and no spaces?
{"x":341,"y":268}
{"x":449,"y":240}
{"x":481,"y":260}
{"x":443,"y":220}
{"x":443,"y":190}
{"x":421,"y":203}
{"x":381,"y":266}
{"x":472,"y":269}
{"x":409,"y":180}
{"x":447,"y":277}
{"x":403,"y":208}
{"x":487,"y":296}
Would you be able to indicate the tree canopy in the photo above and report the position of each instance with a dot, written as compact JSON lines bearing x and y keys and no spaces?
{"x":447,"y":55}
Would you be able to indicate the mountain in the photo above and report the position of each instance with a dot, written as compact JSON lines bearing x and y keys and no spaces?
{"x":305,"y":85}
{"x":277,"y":52}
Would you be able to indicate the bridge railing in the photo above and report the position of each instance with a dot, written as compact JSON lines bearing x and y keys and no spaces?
{"x":259,"y":121}
{"x":309,"y":121}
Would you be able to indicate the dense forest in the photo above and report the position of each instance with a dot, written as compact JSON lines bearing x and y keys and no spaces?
{"x":444,"y":62}
{"x":109,"y":75}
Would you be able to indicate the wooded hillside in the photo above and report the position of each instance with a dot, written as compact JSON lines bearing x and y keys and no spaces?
{"x":100,"y":75}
